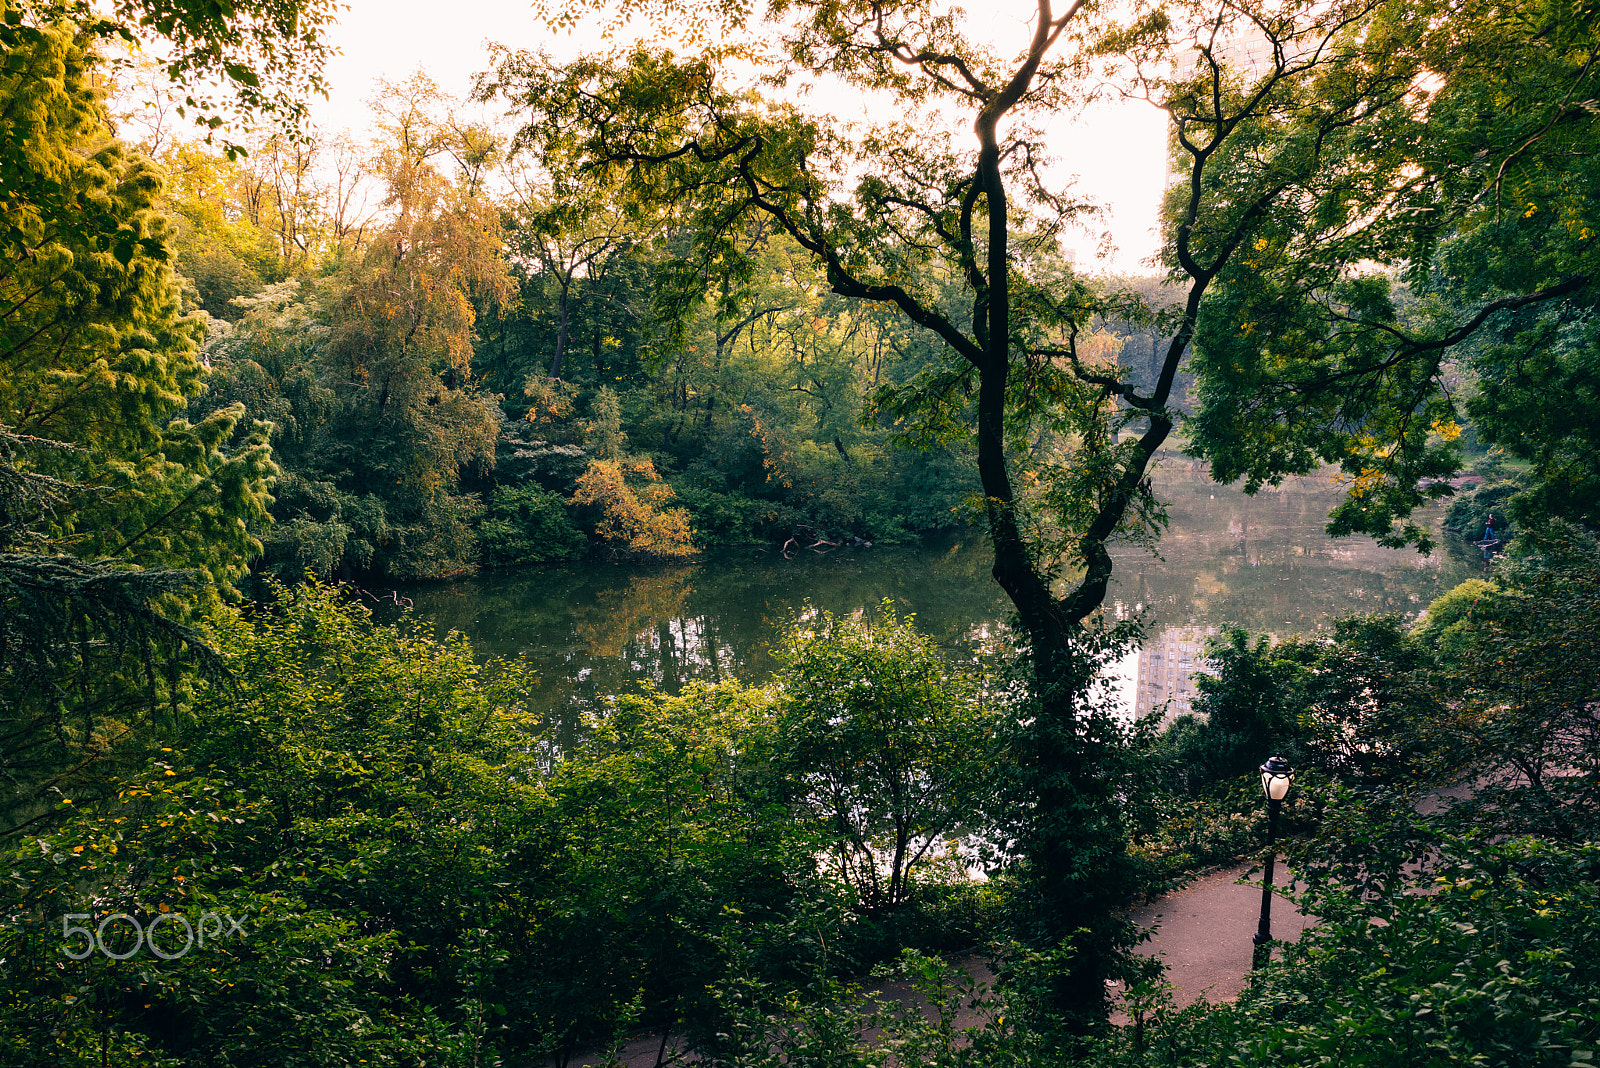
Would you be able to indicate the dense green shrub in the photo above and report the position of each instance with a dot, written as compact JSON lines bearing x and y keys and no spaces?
{"x":890,"y":750}
{"x":1184,"y":835}
{"x":422,"y":875}
{"x":1347,"y":703}
{"x":324,"y":531}
{"x":1449,"y":622}
{"x":1246,"y":711}
{"x":346,"y":795}
{"x":725,"y":518}
{"x":527,"y":525}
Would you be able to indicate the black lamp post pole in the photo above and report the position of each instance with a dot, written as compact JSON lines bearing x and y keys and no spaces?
{"x":1263,"y":938}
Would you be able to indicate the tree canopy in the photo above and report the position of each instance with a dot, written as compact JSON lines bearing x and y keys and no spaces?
{"x":958,"y":234}
{"x":111,"y":501}
{"x":1419,"y":247}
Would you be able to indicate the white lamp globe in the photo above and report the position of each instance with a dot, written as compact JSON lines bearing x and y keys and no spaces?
{"x":1276,"y":778}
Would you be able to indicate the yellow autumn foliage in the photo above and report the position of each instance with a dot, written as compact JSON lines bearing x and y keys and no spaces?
{"x":632,"y":499}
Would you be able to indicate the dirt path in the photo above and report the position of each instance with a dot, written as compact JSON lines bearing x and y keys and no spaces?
{"x":1203,"y":933}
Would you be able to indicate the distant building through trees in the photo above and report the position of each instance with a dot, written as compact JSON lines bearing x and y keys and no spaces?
{"x":1168,"y":665}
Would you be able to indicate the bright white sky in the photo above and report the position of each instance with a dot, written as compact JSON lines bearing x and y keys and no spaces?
{"x":1116,"y":151}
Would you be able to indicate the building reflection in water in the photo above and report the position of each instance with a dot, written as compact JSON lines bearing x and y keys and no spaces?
{"x":1168,"y":665}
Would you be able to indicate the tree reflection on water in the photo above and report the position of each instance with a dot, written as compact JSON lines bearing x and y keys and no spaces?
{"x":591,"y":630}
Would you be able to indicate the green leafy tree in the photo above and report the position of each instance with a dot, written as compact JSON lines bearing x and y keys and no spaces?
{"x":366,"y":373}
{"x":584,"y":276}
{"x":959,"y":237}
{"x":265,"y":58}
{"x":94,"y":664}
{"x":1351,"y":703}
{"x":219,"y":250}
{"x":571,"y":239}
{"x":1430,"y":232}
{"x":1250,"y":706}
{"x":292,"y":209}
{"x":400,"y":333}
{"x":114,"y":506}
{"x":1532,"y":358}
{"x":893,"y":751}
{"x":272,"y":363}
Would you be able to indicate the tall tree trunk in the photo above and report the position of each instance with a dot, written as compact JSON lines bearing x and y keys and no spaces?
{"x":1073,"y":839}
{"x":562,"y":327}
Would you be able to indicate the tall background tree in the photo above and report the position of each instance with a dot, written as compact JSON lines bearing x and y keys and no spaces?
{"x":957,"y":231}
{"x":113,"y":500}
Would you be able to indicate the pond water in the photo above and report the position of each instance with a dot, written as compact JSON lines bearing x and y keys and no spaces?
{"x":1263,"y":563}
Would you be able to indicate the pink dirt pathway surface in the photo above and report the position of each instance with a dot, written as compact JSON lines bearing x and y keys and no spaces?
{"x":1202,"y":932}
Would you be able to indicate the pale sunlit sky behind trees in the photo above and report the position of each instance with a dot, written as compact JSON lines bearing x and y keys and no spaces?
{"x":1117,"y":151}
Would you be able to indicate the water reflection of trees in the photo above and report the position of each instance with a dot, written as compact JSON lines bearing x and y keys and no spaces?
{"x":614,"y":617}
{"x":1266,"y":563}
{"x":1263,"y":563}
{"x":597,"y":630}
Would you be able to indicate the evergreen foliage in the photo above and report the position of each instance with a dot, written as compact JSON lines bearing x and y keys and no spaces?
{"x":98,"y":354}
{"x":114,"y":511}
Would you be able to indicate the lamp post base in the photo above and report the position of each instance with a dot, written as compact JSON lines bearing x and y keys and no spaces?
{"x":1261,"y":950}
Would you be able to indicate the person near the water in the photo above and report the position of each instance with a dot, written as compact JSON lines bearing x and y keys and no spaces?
{"x":1489,"y":543}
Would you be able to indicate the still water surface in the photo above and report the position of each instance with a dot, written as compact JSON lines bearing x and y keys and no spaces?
{"x":1263,"y":563}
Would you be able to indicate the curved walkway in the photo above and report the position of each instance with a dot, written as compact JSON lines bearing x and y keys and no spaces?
{"x":1202,"y":932}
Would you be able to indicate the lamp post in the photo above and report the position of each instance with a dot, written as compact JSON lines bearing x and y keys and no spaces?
{"x":1276,"y":777}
